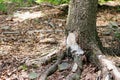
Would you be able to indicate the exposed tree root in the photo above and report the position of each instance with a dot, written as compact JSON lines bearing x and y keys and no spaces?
{"x":73,"y":76}
{"x":109,"y":70}
{"x":48,"y":58}
{"x":76,"y":52}
{"x":76,"y":69}
{"x":54,"y":67}
{"x":61,"y":54}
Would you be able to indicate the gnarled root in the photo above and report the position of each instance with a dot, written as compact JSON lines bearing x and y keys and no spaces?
{"x":109,"y":70}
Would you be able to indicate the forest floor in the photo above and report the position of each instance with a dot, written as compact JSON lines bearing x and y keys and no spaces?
{"x":31,"y":33}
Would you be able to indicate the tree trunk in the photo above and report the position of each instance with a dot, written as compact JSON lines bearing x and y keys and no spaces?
{"x":82,"y":19}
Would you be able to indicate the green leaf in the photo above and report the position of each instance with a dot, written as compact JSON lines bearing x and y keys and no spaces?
{"x":33,"y":75}
{"x":117,"y":35}
{"x":24,"y":67}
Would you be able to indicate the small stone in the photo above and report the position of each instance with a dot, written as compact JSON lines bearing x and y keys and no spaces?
{"x":5,"y":28}
{"x":63,"y":66}
{"x":9,"y":18}
{"x":74,"y":68}
{"x":107,"y":33}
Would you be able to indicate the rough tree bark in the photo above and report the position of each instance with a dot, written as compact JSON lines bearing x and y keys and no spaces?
{"x":82,"y":19}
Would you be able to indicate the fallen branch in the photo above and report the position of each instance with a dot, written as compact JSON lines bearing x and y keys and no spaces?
{"x":49,"y":41}
{"x":44,"y":31}
{"x":14,"y":32}
{"x":29,"y":8}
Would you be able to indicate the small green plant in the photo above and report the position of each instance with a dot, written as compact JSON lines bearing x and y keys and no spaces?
{"x":118,"y":8}
{"x":117,"y":35}
{"x":23,"y":67}
{"x":33,"y":75}
{"x":3,"y":8}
